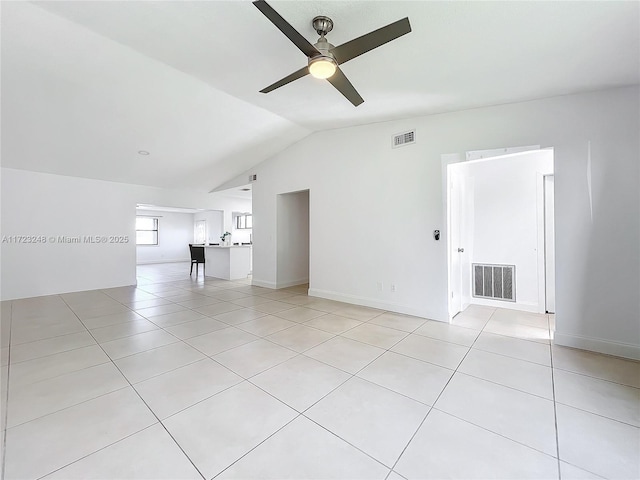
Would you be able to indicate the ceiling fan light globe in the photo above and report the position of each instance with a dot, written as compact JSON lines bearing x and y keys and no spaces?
{"x":322,"y":67}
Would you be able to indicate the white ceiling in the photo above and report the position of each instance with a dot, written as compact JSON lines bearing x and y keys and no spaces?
{"x":87,"y":84}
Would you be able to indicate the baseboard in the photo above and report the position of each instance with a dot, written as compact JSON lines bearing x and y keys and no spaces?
{"x":263,"y":283}
{"x":154,"y":262}
{"x":374,"y":303}
{"x":607,"y":347}
{"x":275,"y":286}
{"x":293,"y":283}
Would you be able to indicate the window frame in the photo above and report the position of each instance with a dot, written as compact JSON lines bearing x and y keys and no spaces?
{"x":244,"y":216}
{"x":156,"y":229}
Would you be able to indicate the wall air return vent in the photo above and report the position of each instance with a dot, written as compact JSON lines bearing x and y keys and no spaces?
{"x":497,"y":282}
{"x":253,"y":177}
{"x":402,"y":139}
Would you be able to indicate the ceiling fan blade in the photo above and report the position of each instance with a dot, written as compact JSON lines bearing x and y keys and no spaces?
{"x":342,"y":83}
{"x":284,"y":26}
{"x":288,"y":79}
{"x":371,"y":40}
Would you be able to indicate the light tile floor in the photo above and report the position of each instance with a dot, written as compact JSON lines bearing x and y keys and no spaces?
{"x":187,"y":378}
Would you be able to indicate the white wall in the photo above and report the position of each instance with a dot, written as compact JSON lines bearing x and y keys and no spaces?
{"x":51,"y":205}
{"x":374,"y":209}
{"x":214,"y":219}
{"x":504,"y":218}
{"x":175,"y":233}
{"x":293,"y":239}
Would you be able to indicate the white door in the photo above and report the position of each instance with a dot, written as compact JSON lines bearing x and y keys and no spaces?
{"x":455,"y":249}
{"x":549,"y":246}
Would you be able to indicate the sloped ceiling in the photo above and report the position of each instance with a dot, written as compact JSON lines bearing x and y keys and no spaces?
{"x":87,"y":84}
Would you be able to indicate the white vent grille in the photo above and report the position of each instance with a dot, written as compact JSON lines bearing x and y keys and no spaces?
{"x":253,"y":178}
{"x":403,"y":139}
{"x":494,"y":281}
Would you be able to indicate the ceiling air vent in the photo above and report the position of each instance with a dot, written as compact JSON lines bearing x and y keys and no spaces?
{"x":253,"y":178}
{"x":402,"y":139}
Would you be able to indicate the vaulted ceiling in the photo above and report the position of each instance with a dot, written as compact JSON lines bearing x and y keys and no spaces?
{"x":86,"y":85}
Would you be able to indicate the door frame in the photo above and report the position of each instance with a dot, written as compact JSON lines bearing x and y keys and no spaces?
{"x":446,"y":160}
{"x":470,"y":156}
{"x":549,"y":244}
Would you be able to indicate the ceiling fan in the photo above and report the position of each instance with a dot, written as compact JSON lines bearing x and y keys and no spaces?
{"x":323,"y":58}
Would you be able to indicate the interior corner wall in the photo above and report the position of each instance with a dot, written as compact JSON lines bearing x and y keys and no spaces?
{"x":175,"y":233}
{"x":374,"y":209}
{"x":293,"y":239}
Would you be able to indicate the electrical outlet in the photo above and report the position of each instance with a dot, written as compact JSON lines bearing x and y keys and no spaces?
{"x":393,"y":287}
{"x":380,"y":286}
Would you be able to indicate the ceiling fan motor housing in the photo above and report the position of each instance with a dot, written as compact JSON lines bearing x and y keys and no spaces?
{"x":322,"y":25}
{"x":324,"y":48}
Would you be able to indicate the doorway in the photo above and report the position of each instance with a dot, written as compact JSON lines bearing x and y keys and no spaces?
{"x":499,"y":214}
{"x":292,"y":246}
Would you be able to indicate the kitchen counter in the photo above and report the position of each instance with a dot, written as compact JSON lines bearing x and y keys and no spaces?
{"x":232,"y":262}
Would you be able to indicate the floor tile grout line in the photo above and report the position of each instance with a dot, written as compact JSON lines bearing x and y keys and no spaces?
{"x":433,"y":406}
{"x":256,"y":446}
{"x":204,"y":399}
{"x":495,"y":433}
{"x":505,"y":386}
{"x":599,"y":415}
{"x":49,"y":338}
{"x":582,"y":468}
{"x":67,"y":407}
{"x":168,"y":371}
{"x":6,"y":397}
{"x":595,"y":378}
{"x":479,"y":349}
{"x":149,"y":408}
{"x":347,"y":441}
{"x":56,"y":353}
{"x":291,"y":406}
{"x":102,"y":362}
{"x":100,"y":449}
{"x":555,"y":412}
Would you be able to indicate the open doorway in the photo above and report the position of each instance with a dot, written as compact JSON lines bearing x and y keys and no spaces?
{"x":292,"y":267}
{"x":163,"y":233}
{"x":500,"y":225}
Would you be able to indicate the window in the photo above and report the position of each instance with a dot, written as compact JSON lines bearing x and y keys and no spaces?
{"x":146,"y":231}
{"x":200,"y":231}
{"x":244,"y":221}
